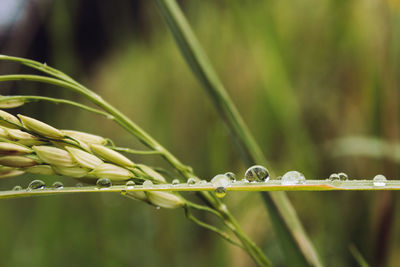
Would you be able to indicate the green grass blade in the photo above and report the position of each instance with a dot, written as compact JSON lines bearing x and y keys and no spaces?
{"x":284,"y":218}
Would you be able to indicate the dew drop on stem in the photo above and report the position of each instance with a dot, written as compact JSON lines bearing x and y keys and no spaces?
{"x":36,"y":184}
{"x":175,"y":181}
{"x":257,"y":173}
{"x":379,"y":180}
{"x":191,"y":181}
{"x":17,"y":188}
{"x":293,"y":178}
{"x":130,"y":184}
{"x":57,"y":185}
{"x":103,"y":183}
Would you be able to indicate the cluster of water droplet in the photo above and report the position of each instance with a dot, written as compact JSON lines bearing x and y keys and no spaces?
{"x":334,"y":177}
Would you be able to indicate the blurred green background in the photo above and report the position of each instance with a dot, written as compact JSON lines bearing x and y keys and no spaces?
{"x":306,"y":75}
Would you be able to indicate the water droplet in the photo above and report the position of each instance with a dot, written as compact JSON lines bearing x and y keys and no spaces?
{"x":103,"y":183}
{"x":158,"y":207}
{"x":57,"y":185}
{"x":380,"y":180}
{"x":245,"y":180}
{"x":293,"y":178}
{"x":17,"y":188}
{"x":36,"y":184}
{"x":202,"y":182}
{"x":191,"y":181}
{"x":231,"y":176}
{"x":343,"y":176}
{"x":220,"y":192}
{"x":110,"y":117}
{"x":220,"y":180}
{"x":257,"y":173}
{"x":334,"y":177}
{"x":79,"y":185}
{"x":175,"y":181}
{"x":148,"y":183}
{"x":130,"y":184}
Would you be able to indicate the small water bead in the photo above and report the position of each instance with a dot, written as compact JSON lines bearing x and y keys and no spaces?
{"x":148,"y":183}
{"x":103,"y":183}
{"x":57,"y":185}
{"x":175,"y":181}
{"x":220,"y":192}
{"x":334,"y":177}
{"x":293,"y":178}
{"x":202,"y":182}
{"x":379,"y":180}
{"x":191,"y":181}
{"x":17,"y":188}
{"x":36,"y":184}
{"x":130,"y":184}
{"x":257,"y":173}
{"x":343,"y":176}
{"x":231,"y":176}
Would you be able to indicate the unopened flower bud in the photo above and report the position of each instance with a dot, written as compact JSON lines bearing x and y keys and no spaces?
{"x":111,"y":155}
{"x":7,"y":116}
{"x":24,"y":138}
{"x":83,"y":158}
{"x":86,"y":137}
{"x":41,"y":127}
{"x":111,"y":172}
{"x":54,"y":156}
{"x":166,"y":200}
{"x":41,"y":169}
{"x":10,"y":103}
{"x":76,"y":172}
{"x":13,"y":149}
{"x":152,"y":173}
{"x":17,"y":161}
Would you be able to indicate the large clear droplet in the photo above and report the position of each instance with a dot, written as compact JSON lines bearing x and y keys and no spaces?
{"x":293,"y":178}
{"x":231,"y":176}
{"x":257,"y":173}
{"x":220,"y":182}
{"x":36,"y":184}
{"x":175,"y":181}
{"x":17,"y":188}
{"x":191,"y":181}
{"x":57,"y":185}
{"x":103,"y":183}
{"x":334,"y":177}
{"x":343,"y":176}
{"x":379,"y":180}
{"x":130,"y":184}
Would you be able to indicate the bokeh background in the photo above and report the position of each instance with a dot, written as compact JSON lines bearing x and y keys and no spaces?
{"x":317,"y":82}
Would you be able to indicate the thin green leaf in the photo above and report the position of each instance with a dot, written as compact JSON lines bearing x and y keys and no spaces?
{"x":284,"y":218}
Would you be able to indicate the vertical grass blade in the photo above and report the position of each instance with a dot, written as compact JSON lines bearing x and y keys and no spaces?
{"x":296,"y":244}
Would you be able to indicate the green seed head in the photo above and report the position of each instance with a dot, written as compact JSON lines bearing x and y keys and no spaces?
{"x":165,"y":199}
{"x":7,"y":116}
{"x":54,"y":156}
{"x":17,"y":161}
{"x":40,"y":169}
{"x":111,"y":155}
{"x":13,"y":149}
{"x":41,"y":127}
{"x":83,"y":158}
{"x":10,"y":103}
{"x":152,"y":173}
{"x":76,"y":172}
{"x":24,"y":138}
{"x":86,"y":137}
{"x":111,"y":172}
